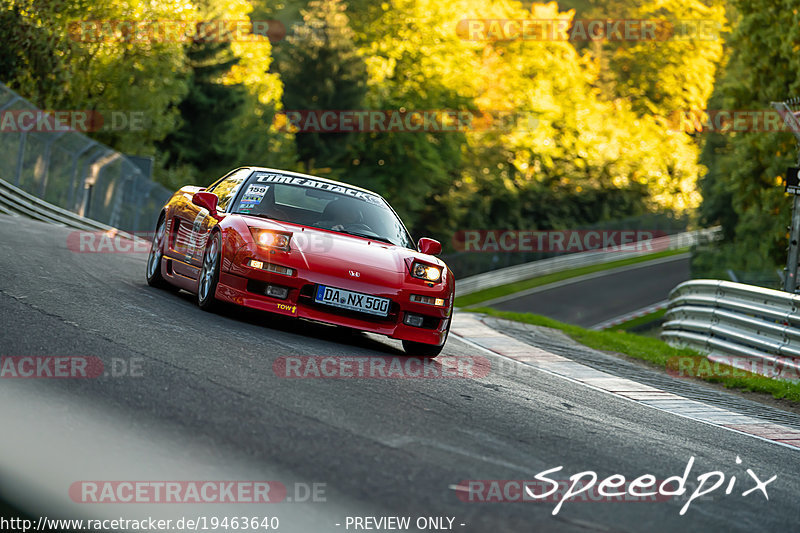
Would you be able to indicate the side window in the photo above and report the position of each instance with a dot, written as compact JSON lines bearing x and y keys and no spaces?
{"x":226,"y":189}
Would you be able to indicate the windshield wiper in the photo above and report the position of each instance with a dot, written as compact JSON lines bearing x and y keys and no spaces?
{"x":374,"y":237}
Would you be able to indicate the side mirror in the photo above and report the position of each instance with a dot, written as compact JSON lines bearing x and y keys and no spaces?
{"x":206,"y":200}
{"x":429,"y":246}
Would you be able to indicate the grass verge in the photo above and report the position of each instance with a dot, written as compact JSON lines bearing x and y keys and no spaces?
{"x":679,"y":362}
{"x":511,"y":288}
{"x":644,"y":320}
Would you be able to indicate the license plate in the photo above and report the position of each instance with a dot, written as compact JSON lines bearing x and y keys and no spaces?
{"x":354,"y":301}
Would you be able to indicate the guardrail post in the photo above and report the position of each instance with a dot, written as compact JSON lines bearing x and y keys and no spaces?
{"x":790,"y":280}
{"x":790,"y":118}
{"x":20,"y":158}
{"x":74,"y":183}
{"x":46,"y":157}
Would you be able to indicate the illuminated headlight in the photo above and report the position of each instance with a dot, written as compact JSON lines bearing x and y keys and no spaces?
{"x":269,"y":267}
{"x":426,"y":272}
{"x":430,"y":300}
{"x":271,"y":239}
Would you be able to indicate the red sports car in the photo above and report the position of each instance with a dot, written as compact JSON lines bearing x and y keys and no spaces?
{"x":306,"y":247}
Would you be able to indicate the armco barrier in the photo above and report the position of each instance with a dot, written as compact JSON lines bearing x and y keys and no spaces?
{"x":533,"y":269}
{"x":729,"y":320}
{"x":69,"y":170}
{"x":15,"y":202}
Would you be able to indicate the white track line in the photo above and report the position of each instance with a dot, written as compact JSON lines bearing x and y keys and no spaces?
{"x":473,"y":332}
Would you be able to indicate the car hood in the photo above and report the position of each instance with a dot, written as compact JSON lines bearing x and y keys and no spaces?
{"x":325,"y":251}
{"x":320,"y":248}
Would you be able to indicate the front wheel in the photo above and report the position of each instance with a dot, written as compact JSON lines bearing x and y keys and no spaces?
{"x":209,"y":274}
{"x":420,"y":349}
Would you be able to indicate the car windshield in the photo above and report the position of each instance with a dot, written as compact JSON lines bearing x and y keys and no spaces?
{"x":319,"y":204}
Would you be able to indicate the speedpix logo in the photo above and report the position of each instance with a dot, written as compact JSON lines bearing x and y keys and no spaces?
{"x":589,"y":487}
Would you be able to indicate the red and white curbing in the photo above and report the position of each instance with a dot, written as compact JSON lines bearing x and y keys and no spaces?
{"x":472,"y":330}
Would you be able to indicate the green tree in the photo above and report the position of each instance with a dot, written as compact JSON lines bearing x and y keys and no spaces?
{"x":321,"y":70}
{"x":34,"y":58}
{"x":208,"y":112}
{"x":595,"y":149}
{"x":743,"y":190}
{"x":415,"y":62}
{"x":670,"y":73}
{"x":57,"y":57}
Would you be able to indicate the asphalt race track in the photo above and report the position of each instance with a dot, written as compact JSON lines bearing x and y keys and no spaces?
{"x":609,"y":295}
{"x":205,"y":403}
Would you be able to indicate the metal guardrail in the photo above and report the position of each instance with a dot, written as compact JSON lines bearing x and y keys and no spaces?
{"x":533,"y":269}
{"x":735,"y":322}
{"x":16,"y":202}
{"x":71,"y":171}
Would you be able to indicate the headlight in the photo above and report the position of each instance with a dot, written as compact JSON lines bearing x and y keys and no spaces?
{"x":426,"y":272}
{"x":269,"y":267}
{"x":430,"y":300}
{"x":271,"y":239}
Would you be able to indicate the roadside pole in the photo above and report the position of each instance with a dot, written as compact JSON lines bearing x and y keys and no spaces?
{"x":792,"y":120}
{"x":790,"y":280}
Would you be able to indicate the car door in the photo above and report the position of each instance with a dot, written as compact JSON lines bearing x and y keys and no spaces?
{"x":193,"y":223}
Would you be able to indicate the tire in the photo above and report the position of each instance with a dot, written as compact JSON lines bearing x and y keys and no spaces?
{"x":209,"y":274}
{"x":420,"y":349}
{"x":153,"y":274}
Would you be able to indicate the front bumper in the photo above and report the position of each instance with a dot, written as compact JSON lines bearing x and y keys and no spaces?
{"x":246,"y":286}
